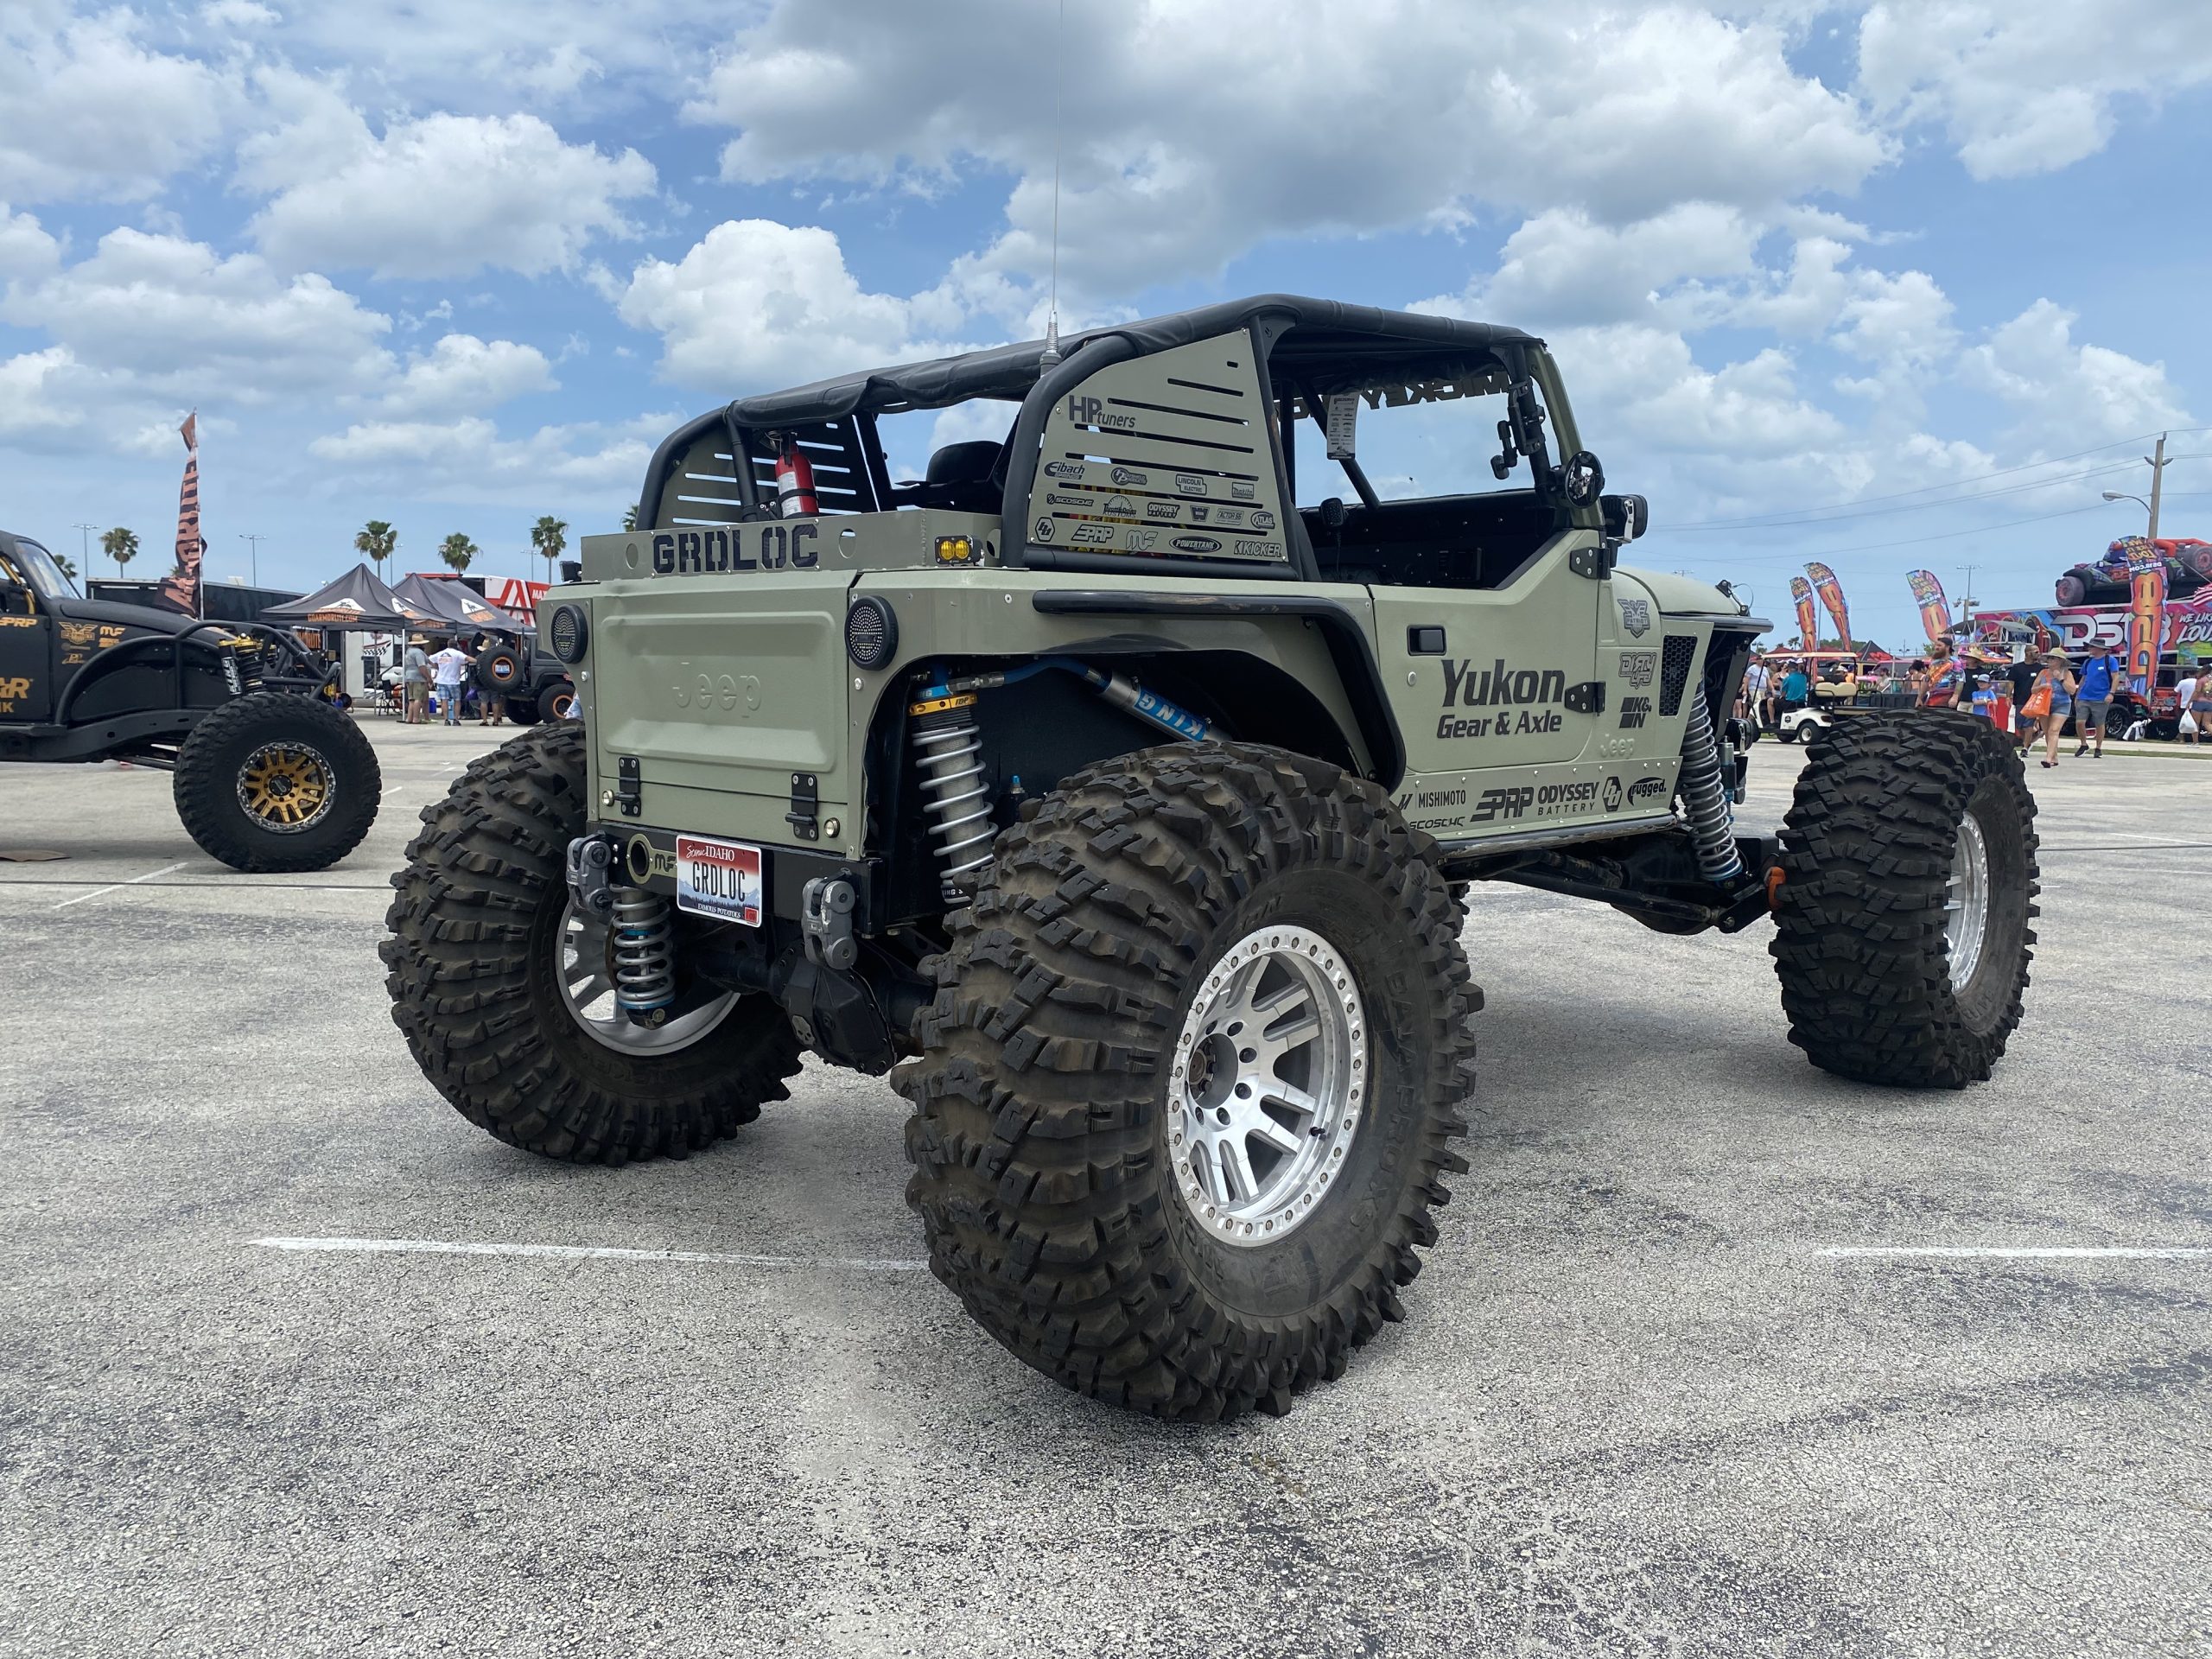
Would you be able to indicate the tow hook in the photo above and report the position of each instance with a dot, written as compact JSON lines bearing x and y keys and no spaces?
{"x":590,"y":861}
{"x":826,"y":922}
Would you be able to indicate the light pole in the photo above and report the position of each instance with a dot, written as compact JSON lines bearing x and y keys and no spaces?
{"x":85,"y":542}
{"x":2122,"y":495}
{"x":254,"y":547}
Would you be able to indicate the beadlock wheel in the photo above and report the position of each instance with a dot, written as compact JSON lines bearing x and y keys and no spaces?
{"x":286,"y":788}
{"x":1965,"y":902}
{"x":1270,"y":1070}
{"x":587,"y":978}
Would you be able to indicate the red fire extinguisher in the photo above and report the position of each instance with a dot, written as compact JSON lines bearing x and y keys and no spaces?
{"x":794,"y":481}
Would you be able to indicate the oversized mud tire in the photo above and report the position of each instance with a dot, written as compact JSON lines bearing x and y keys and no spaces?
{"x":475,"y":972}
{"x":1053,"y":1110}
{"x":1905,"y":830}
{"x":275,"y":782}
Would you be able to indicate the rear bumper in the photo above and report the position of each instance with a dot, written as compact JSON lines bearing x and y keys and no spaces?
{"x":645,"y":857}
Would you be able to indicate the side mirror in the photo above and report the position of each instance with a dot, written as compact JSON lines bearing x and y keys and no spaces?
{"x":15,"y":597}
{"x":1627,"y":517}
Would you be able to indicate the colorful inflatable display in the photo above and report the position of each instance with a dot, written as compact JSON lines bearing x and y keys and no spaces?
{"x":1808,"y":621}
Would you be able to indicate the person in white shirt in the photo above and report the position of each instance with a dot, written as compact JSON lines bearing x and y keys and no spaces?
{"x":2194,"y":694}
{"x":452,"y":666}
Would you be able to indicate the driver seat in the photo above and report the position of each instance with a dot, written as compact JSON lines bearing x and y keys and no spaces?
{"x":964,"y":478}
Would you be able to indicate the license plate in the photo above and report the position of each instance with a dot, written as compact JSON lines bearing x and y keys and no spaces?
{"x":720,"y":879}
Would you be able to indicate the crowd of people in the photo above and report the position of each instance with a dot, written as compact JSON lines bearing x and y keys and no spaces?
{"x":2032,"y":699}
{"x":444,"y":682}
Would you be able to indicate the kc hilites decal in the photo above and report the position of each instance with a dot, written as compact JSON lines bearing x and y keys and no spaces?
{"x":1527,"y":699}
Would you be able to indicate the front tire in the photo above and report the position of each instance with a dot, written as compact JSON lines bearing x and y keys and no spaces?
{"x":1061,"y":1093}
{"x":274,"y":782}
{"x":489,"y":985}
{"x":1903,"y":923}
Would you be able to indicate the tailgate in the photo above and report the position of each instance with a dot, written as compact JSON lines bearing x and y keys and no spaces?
{"x":722,"y":687}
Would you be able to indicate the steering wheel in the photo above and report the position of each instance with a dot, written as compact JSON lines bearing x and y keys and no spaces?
{"x":1583,"y":477}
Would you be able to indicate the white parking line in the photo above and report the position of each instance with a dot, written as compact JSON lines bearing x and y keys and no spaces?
{"x":2031,"y":1252}
{"x":580,"y":1252}
{"x":165,"y":870}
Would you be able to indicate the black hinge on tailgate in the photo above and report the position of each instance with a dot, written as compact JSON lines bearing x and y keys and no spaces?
{"x":628,"y":794}
{"x":806,"y":797}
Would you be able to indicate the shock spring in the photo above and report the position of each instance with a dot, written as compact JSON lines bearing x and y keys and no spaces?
{"x":947,"y":753}
{"x":645,"y":957}
{"x":1705,"y":797}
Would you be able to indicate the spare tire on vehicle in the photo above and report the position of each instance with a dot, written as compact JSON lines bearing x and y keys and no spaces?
{"x":273,"y":781}
{"x":557,"y":702}
{"x":500,"y":670}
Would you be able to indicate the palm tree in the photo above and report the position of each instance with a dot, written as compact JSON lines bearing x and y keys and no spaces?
{"x":629,"y":517}
{"x":457,"y":550}
{"x":121,"y":545}
{"x":379,"y":540}
{"x":550,"y":536}
{"x":65,"y":565}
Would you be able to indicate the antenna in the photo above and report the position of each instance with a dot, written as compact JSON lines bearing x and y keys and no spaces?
{"x":1051,"y":354}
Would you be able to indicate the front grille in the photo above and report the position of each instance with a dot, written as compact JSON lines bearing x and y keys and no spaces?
{"x":1675,"y":659}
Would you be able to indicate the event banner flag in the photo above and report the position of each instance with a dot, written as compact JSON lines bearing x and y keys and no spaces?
{"x":182,"y":586}
{"x":2146,"y":572}
{"x":1831,"y":592}
{"x":1808,"y":624}
{"x":1935,"y":609}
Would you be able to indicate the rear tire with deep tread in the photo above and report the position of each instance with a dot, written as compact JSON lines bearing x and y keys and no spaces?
{"x":1039,"y":1138}
{"x":474,"y":936}
{"x":1860,"y":941}
{"x":205,"y":784}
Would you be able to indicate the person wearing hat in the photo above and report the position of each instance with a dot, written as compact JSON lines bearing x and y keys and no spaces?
{"x":2051,"y":701}
{"x":415,"y":681}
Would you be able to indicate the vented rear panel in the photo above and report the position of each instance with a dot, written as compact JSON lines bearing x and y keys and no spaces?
{"x":701,"y":488}
{"x":1164,"y":456}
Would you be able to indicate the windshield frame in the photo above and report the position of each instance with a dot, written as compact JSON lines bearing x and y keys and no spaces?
{"x":36,"y":565}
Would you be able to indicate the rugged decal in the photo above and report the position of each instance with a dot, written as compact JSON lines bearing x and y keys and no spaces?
{"x":1644,"y":788}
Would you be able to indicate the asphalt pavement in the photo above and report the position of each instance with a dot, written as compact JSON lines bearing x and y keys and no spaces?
{"x":1651,"y":1396}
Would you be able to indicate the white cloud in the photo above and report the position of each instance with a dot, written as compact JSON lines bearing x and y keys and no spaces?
{"x":1189,"y":135}
{"x":467,"y":460}
{"x":463,"y":372}
{"x":33,"y":393}
{"x":446,"y":195}
{"x":2027,"y":88}
{"x":239,"y":14}
{"x":26,"y":249}
{"x":1562,"y":268}
{"x":90,"y":112}
{"x":755,"y":305}
{"x":2065,"y":394}
{"x":181,"y":319}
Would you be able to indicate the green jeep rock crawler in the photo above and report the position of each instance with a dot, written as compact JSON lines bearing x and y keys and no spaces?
{"x":1116,"y":804}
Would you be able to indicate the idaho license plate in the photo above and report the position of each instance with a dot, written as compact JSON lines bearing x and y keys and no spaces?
{"x":720,"y":879}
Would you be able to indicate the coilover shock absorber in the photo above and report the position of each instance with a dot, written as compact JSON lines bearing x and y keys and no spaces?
{"x":948,"y":752}
{"x":644,"y":955}
{"x":1705,"y":797}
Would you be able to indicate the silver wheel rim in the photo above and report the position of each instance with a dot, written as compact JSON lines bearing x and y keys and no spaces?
{"x":1264,"y":1095}
{"x":1965,"y":902}
{"x":582,"y":969}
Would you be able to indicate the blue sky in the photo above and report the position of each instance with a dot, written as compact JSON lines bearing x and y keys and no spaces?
{"x":1881,"y":285}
